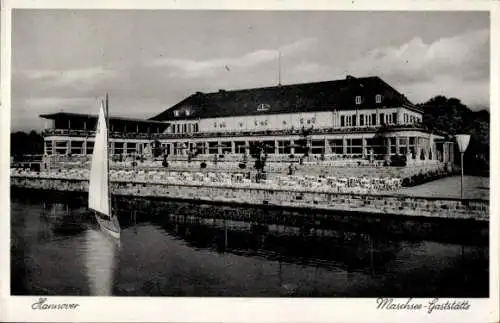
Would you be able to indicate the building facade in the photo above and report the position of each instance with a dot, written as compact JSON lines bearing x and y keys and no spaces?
{"x":347,"y":118}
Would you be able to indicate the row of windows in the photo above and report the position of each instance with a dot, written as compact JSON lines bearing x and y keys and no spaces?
{"x":185,"y":128}
{"x":410,"y":118}
{"x":368,"y":119}
{"x":371,"y":119}
{"x":262,"y":123}
{"x":187,"y":113}
{"x":359,"y":99}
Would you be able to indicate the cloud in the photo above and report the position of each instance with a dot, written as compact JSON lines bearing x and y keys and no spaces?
{"x":462,"y":55}
{"x":306,"y":68}
{"x":70,"y":77}
{"x":188,"y":68}
{"x":456,"y":66}
{"x":58,"y":103}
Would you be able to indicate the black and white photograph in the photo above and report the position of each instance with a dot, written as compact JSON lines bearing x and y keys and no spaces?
{"x":298,"y":154}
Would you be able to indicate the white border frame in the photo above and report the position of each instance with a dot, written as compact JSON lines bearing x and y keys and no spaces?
{"x":118,"y":309}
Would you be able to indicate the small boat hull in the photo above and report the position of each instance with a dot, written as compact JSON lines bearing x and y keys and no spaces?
{"x":108,"y":227}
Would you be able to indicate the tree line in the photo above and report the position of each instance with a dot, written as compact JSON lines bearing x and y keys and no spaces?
{"x":451,"y":116}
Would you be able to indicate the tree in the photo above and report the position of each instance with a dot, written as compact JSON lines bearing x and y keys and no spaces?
{"x":259,"y":153}
{"x":158,"y":149}
{"x":22,"y":143}
{"x":451,"y":116}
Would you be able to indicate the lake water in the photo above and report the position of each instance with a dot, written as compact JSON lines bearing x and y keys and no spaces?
{"x":58,"y":249}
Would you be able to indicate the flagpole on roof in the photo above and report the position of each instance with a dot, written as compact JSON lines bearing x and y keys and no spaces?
{"x":279,"y":67}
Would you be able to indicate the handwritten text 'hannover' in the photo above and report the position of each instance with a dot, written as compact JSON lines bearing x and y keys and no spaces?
{"x":42,"y":305}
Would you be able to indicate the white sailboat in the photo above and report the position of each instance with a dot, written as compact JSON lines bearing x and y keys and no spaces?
{"x":99,"y":195}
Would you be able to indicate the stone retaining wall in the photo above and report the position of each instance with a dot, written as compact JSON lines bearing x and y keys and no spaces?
{"x":321,"y":200}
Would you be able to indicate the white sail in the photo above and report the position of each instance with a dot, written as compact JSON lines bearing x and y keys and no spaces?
{"x":147,"y":150}
{"x":98,"y":185}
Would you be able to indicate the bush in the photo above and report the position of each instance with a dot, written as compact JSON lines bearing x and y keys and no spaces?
{"x":165,"y":163}
{"x":242,"y":165}
{"x":203,"y":165}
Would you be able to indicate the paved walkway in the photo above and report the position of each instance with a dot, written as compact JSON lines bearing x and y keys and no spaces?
{"x":474,"y":188}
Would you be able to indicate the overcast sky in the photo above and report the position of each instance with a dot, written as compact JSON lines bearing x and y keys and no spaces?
{"x":62,"y":60}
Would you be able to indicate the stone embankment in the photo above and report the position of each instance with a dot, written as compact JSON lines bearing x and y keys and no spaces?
{"x":260,"y":194}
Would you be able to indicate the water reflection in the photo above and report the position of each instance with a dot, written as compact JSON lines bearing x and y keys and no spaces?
{"x":181,"y":249}
{"x":101,"y":260}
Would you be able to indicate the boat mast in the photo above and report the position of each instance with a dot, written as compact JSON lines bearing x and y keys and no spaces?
{"x":107,"y":153}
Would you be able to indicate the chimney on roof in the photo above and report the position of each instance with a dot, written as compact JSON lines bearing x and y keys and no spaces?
{"x":350,"y":77}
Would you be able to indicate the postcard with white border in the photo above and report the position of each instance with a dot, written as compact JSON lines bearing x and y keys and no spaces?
{"x":263,"y":161}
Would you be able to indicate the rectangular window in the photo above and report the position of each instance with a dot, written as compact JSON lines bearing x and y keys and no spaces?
{"x":378,"y":98}
{"x":336,"y":146}
{"x":184,"y":128}
{"x":362,"y":120}
{"x":131,"y":147}
{"x":358,"y":99}
{"x":239,"y":146}
{"x":342,"y":121}
{"x":284,"y":147}
{"x":76,"y":147}
{"x":354,"y":118}
{"x":317,"y":147}
{"x":348,"y":121}
{"x":90,"y":148}
{"x":394,"y":118}
{"x":48,"y":147}
{"x":382,"y":119}
{"x":354,"y":146}
{"x":213,"y":147}
{"x":374,"y":118}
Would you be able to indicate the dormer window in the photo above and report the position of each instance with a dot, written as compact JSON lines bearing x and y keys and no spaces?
{"x":188,"y":113}
{"x":263,"y":107}
{"x":378,"y":98}
{"x":358,"y":99}
{"x":176,"y":113}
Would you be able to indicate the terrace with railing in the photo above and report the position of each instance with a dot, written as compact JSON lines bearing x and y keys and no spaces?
{"x":289,"y":132}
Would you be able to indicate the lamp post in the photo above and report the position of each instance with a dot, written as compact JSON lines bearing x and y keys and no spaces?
{"x":463,"y":142}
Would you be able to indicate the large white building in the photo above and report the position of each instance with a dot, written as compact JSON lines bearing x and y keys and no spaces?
{"x":350,"y":118}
